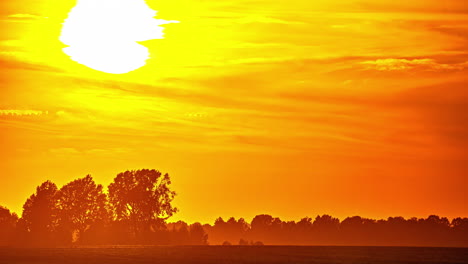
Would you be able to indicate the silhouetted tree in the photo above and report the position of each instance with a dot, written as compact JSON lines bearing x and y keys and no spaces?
{"x":302,"y":230}
{"x":8,"y":223}
{"x":266,"y":228}
{"x":351,"y":230}
{"x":262,"y":223}
{"x":198,"y":235}
{"x":39,"y":213}
{"x":325,"y":230}
{"x":460,"y":231}
{"x":179,"y":233}
{"x":460,"y":224}
{"x":81,"y":204}
{"x":233,"y":230}
{"x":142,"y":198}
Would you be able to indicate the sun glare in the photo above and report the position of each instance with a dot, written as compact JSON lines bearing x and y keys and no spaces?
{"x":104,"y":34}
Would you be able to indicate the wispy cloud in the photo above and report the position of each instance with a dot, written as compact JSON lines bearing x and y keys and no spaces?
{"x":17,"y":112}
{"x":409,"y":64}
{"x":267,"y":20}
{"x":25,"y":17}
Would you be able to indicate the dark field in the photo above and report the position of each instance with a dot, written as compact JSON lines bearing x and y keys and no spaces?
{"x":235,"y":254}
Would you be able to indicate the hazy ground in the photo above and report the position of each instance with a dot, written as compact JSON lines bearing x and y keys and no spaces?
{"x":235,"y":254}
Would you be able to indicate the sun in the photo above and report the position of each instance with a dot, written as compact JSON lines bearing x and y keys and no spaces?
{"x":104,"y":34}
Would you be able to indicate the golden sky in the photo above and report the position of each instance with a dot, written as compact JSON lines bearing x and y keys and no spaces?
{"x":293,"y":108}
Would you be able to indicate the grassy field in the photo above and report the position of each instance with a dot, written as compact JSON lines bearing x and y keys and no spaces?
{"x":234,"y":254}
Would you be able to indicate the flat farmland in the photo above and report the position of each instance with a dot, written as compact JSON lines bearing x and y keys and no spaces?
{"x":233,"y":254}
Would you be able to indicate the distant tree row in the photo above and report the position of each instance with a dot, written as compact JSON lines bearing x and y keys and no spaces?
{"x":352,"y":231}
{"x":138,"y":204}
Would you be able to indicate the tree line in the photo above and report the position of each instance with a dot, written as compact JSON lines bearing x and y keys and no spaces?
{"x":133,"y":211}
{"x":137,"y":205}
{"x":433,"y":231}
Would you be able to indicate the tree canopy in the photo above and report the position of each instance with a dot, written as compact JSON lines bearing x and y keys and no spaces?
{"x":80,"y":204}
{"x":142,"y":197}
{"x":39,"y":212}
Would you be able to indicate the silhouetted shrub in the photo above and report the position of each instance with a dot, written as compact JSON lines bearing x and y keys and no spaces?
{"x":243,"y":242}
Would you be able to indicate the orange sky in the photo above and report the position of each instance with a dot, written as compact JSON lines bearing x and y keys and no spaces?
{"x":297,"y":109}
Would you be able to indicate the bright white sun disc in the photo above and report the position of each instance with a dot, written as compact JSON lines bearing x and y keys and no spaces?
{"x":104,"y":34}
